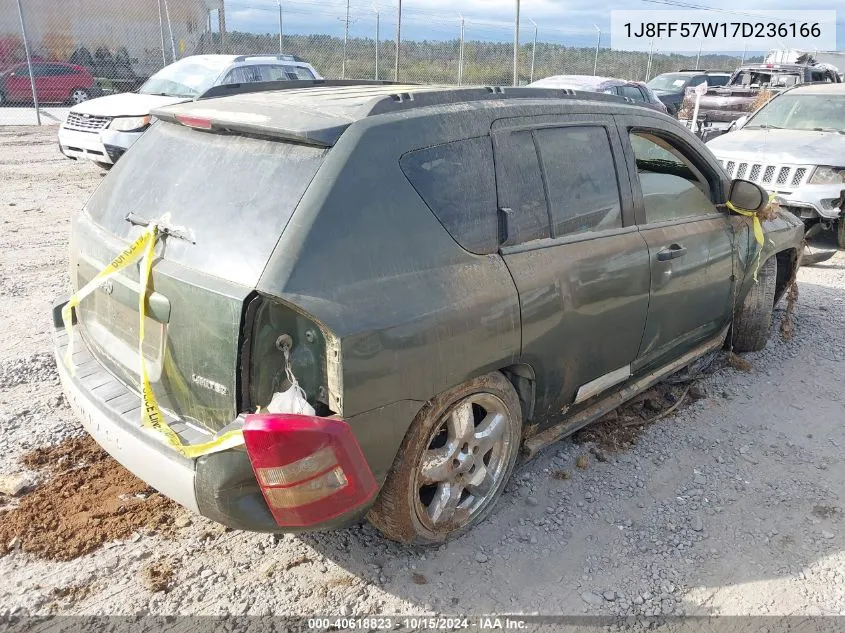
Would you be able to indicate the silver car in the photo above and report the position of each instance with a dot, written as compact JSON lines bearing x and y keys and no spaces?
{"x":794,"y":146}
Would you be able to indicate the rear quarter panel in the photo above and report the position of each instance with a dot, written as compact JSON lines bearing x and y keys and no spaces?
{"x":415,"y":313}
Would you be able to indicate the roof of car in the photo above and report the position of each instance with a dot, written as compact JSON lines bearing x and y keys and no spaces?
{"x":319,"y":111}
{"x":231,"y":59}
{"x":819,"y":89}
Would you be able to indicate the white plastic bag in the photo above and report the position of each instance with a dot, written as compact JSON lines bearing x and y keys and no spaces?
{"x":293,"y":399}
{"x":290,"y":401}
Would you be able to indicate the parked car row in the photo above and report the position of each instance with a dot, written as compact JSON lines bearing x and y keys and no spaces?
{"x":450,"y":277}
{"x":103,"y":129}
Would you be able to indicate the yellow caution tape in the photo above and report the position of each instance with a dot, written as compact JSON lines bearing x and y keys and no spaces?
{"x":151,"y":415}
{"x":758,"y":230}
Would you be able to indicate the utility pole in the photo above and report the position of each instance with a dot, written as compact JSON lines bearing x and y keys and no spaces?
{"x":29,"y":66}
{"x":533,"y":51}
{"x":281,"y":32}
{"x":398,"y":42}
{"x":598,"y":45}
{"x":345,"y":42}
{"x":378,"y":28}
{"x":698,"y":57}
{"x":516,"y":47}
{"x":461,"y":54}
{"x":161,"y":32}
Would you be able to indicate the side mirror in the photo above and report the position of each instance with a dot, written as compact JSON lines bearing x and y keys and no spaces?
{"x":737,"y":125}
{"x":747,"y":195}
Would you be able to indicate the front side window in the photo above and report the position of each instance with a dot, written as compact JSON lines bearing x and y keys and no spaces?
{"x":581,"y":179}
{"x":672,"y":187}
{"x":456,"y":181}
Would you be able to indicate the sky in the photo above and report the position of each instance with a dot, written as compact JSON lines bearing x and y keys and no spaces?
{"x":570,"y":22}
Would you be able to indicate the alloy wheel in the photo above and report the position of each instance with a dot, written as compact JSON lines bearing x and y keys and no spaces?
{"x":466,"y":459}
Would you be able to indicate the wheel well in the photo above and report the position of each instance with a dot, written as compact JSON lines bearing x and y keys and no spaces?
{"x":787,"y":265}
{"x":522,"y":377}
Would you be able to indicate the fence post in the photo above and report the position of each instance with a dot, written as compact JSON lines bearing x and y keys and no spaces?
{"x":598,"y":44}
{"x":161,"y":32}
{"x":170,"y":29}
{"x":221,"y":26}
{"x":461,"y":54}
{"x":378,"y":28}
{"x":516,"y":47}
{"x":281,"y":32}
{"x":398,"y":42}
{"x":345,"y":42}
{"x":698,"y":57}
{"x":29,"y":66}
{"x":533,"y":52}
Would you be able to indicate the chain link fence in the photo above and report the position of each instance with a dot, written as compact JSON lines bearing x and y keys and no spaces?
{"x":121,"y":44}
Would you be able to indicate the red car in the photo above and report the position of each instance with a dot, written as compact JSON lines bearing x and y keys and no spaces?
{"x":55,"y":82}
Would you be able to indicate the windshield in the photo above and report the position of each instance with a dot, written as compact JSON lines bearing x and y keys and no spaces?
{"x":801,"y":112}
{"x":188,"y":78}
{"x":670,"y":82}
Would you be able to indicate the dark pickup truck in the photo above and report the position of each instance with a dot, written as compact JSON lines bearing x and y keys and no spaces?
{"x":724,"y":104}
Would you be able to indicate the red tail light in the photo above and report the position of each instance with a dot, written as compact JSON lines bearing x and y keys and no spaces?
{"x":194,"y":121}
{"x":309,"y":469}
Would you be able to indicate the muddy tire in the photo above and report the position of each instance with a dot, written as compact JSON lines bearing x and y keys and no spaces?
{"x":453,"y":463}
{"x":752,"y":321}
{"x":840,"y":232}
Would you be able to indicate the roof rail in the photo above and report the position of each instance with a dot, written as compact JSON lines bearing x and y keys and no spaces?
{"x":282,"y":57}
{"x":417,"y":98}
{"x":225,"y":90}
{"x":703,"y":70}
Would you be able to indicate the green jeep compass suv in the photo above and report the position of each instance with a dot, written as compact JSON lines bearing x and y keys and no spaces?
{"x":450,"y":276}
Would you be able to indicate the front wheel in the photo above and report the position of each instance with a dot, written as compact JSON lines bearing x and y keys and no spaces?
{"x":79,"y":95}
{"x":453,"y":463}
{"x":752,"y":321}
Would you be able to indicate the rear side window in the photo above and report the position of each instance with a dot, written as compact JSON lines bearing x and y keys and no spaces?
{"x":581,"y":179}
{"x":520,"y":186}
{"x":234,"y":196}
{"x":456,"y":181}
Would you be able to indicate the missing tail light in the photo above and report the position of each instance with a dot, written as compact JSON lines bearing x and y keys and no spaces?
{"x":310,"y":469}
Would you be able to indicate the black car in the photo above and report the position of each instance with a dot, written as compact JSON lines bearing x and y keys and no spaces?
{"x":670,"y":87}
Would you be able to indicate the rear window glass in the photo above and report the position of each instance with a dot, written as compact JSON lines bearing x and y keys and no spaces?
{"x":232,"y":194}
{"x":520,"y":186}
{"x":457,"y":183}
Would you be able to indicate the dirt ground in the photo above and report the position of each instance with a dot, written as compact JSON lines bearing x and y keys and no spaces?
{"x":731,"y":505}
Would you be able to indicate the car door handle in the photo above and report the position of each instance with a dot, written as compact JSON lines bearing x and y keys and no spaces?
{"x":673,"y":252}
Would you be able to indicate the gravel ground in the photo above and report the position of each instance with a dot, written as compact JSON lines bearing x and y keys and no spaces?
{"x":734,"y":505}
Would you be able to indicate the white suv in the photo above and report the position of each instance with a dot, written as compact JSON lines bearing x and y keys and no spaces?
{"x":102,"y":129}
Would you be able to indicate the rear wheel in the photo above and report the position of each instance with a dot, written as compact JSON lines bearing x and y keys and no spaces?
{"x":753,"y":319}
{"x":79,"y":95}
{"x":3,"y":99}
{"x":453,"y":464}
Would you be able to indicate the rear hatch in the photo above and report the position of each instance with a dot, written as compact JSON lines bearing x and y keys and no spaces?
{"x":231,"y":196}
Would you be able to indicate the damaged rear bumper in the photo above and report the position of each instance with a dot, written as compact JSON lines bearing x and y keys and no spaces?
{"x":220,"y":486}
